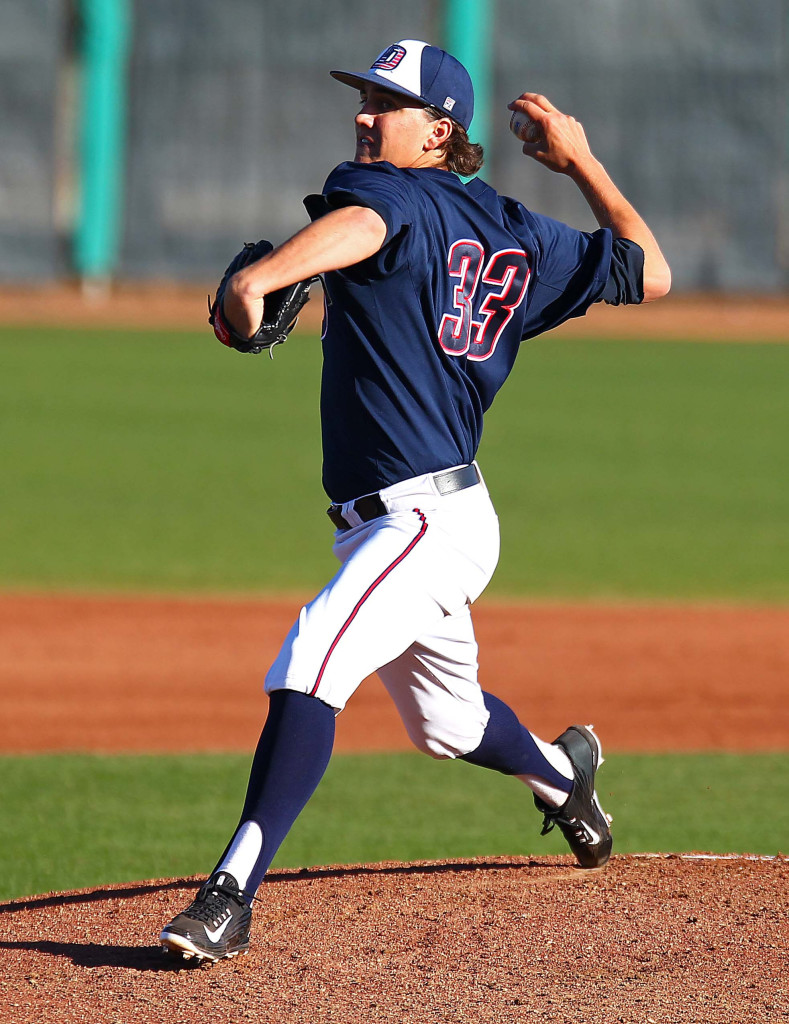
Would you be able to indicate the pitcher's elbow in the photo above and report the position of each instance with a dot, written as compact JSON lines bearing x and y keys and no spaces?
{"x":657,"y":283}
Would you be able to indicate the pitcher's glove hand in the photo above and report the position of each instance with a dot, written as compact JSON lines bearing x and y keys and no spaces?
{"x":280,"y":308}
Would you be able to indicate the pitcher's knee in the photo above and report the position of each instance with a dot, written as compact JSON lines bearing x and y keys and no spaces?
{"x":447,"y":740}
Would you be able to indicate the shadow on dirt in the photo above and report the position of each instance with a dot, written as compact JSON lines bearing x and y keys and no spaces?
{"x":126,"y":892}
{"x":153,"y":958}
{"x":94,"y":895}
{"x":434,"y":868}
{"x":93,"y":954}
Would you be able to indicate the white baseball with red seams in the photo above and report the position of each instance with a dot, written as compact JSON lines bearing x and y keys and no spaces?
{"x":399,"y":606}
{"x":524,"y":127}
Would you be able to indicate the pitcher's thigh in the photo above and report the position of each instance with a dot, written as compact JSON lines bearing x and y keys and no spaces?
{"x":383,"y":596}
{"x":435,"y":688}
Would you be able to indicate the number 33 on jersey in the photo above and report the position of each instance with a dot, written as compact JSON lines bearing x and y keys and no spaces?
{"x":484,"y":298}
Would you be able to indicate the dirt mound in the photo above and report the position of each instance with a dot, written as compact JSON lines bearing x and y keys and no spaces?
{"x":649,"y":939}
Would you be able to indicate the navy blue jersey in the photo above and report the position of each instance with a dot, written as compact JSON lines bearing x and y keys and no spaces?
{"x":419,"y":338}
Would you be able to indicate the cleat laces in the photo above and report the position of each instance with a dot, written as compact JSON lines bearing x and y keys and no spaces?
{"x":213,"y":905}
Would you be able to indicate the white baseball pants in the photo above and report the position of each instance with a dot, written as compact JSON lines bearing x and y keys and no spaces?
{"x":399,"y":606}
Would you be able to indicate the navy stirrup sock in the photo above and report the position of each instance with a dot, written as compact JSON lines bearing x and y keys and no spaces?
{"x":292,"y":755}
{"x":509,"y":747}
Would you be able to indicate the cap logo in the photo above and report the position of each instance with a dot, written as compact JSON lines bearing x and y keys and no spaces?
{"x":390,"y":58}
{"x":449,"y":103}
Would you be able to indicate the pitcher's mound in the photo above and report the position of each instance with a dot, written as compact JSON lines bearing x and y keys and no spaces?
{"x":667,"y":940}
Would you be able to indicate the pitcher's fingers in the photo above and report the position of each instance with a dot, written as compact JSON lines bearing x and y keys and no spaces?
{"x":533,"y":97}
{"x":531,"y":111}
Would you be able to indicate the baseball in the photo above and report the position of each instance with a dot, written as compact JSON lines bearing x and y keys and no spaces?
{"x":524,"y":127}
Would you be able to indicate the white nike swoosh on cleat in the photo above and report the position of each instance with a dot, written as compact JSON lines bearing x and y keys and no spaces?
{"x":217,"y":935}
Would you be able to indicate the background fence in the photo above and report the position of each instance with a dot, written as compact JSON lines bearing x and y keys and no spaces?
{"x":231,"y":118}
{"x":31,"y":48}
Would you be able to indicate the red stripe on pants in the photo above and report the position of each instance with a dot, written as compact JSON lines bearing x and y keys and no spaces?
{"x":365,"y":595}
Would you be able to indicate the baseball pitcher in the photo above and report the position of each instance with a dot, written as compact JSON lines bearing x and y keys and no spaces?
{"x":430,"y":287}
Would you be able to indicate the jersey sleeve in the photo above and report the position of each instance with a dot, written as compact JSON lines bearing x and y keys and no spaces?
{"x":570,"y":271}
{"x":381,"y":187}
{"x":625,"y":283}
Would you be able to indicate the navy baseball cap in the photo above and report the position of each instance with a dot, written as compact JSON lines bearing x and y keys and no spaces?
{"x":423,"y":72}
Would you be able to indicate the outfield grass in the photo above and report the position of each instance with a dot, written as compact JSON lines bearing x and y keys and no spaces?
{"x":83,"y":821}
{"x":620,"y":470}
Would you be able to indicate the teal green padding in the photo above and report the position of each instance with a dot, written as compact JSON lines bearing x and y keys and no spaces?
{"x":468,"y":37}
{"x":105,"y":47}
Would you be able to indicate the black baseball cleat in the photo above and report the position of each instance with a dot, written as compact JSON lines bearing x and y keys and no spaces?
{"x":581,"y":819}
{"x":214,"y":926}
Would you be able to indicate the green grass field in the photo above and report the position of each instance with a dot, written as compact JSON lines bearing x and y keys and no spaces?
{"x":162,"y":462}
{"x":619,"y":470}
{"x":79,"y":821}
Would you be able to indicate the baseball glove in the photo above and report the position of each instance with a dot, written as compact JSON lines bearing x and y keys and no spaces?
{"x":280,"y":308}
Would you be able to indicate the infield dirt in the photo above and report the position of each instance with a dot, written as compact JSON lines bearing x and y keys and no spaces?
{"x":161,"y":305}
{"x":116,"y":673}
